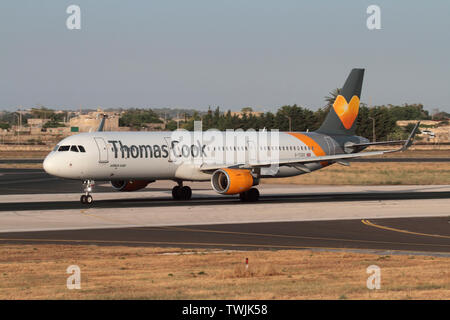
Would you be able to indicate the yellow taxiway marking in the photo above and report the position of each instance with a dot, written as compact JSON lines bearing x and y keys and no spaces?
{"x":371,"y":224}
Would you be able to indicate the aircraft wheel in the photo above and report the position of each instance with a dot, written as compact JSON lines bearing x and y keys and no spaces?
{"x":86,"y":199}
{"x":181,"y":193}
{"x":251,"y":195}
{"x":176,"y":193}
{"x":89,"y":199}
{"x":186,"y":193}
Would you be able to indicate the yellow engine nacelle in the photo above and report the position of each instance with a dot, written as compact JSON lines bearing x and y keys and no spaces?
{"x":232,"y":181}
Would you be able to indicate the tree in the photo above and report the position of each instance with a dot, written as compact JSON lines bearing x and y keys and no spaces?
{"x":171,"y":125}
{"x":246,"y":109}
{"x":53,"y":124}
{"x":441,"y":116}
{"x":137,"y":118}
{"x":301,"y":119}
{"x":385,"y":122}
{"x":42,"y":112}
{"x":409,"y":112}
{"x":409,"y":127}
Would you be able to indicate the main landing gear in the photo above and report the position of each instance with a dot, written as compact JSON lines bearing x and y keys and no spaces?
{"x":251,"y":195}
{"x":87,"y":198}
{"x":181,"y":192}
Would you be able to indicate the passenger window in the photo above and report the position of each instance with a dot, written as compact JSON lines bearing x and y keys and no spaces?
{"x":74,"y":148}
{"x":81,"y":149}
{"x":64,"y":148}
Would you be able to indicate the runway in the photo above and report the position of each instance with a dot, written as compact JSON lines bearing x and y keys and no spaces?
{"x":402,"y":235}
{"x":36,"y":208}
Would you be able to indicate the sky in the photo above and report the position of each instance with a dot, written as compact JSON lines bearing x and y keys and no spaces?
{"x":232,"y":54}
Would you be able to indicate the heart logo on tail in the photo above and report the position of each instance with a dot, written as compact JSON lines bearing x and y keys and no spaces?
{"x":347,"y":112}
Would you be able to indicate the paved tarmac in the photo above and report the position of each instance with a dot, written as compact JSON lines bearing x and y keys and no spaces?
{"x":37,"y":208}
{"x":413,"y":235}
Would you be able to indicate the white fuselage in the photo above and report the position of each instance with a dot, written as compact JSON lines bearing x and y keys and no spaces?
{"x":165,"y":156}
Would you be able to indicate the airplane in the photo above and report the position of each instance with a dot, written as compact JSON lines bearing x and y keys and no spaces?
{"x":233,"y":161}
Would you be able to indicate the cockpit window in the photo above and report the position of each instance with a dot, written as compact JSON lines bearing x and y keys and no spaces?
{"x":81,"y":149}
{"x":74,"y":148}
{"x":56,"y":148}
{"x":64,"y":148}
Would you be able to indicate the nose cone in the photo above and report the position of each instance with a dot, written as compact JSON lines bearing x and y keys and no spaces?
{"x":50,"y":165}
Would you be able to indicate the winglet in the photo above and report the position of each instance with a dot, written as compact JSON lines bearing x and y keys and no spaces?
{"x":409,"y":142}
{"x":102,"y":123}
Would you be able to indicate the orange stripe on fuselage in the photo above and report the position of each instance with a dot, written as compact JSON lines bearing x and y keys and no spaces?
{"x":317,"y":150}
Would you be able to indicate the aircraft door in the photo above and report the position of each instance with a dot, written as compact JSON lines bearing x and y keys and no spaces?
{"x":102,"y":150}
{"x":252,"y":151}
{"x":171,"y":157}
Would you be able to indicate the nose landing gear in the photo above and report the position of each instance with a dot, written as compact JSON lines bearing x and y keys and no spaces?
{"x":87,"y":198}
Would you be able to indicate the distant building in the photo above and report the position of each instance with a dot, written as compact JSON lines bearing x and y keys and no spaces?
{"x":431,"y":130}
{"x":37,"y":123}
{"x":91,"y":121}
{"x":404,"y":123}
{"x":59,"y":130}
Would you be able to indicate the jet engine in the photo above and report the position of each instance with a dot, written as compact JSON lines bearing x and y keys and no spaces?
{"x":129,"y":185}
{"x":232,"y":181}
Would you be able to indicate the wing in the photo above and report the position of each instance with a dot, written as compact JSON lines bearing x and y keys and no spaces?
{"x":301,"y":161}
{"x":368,"y":144}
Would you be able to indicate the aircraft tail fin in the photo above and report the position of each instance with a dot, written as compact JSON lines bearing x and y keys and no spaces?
{"x":341,"y":119}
